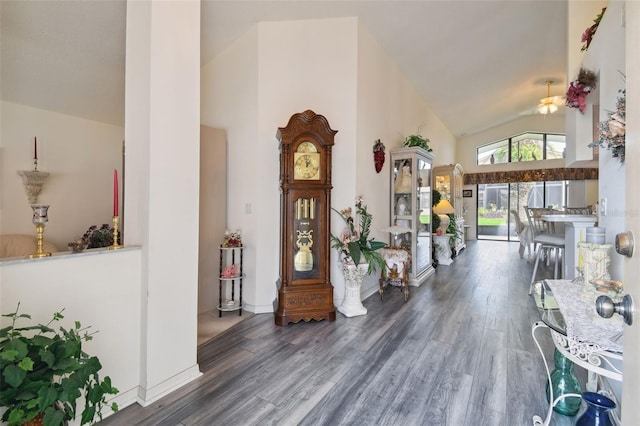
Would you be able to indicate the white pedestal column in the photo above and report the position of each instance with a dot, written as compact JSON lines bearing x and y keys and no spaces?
{"x":443,"y":249}
{"x":352,"y":305}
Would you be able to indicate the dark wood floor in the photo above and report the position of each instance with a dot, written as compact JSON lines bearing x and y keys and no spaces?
{"x":459,"y":352}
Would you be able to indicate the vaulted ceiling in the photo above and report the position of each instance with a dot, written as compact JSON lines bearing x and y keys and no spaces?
{"x":477,"y":63}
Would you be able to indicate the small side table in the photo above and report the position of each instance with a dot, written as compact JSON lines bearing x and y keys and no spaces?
{"x":443,"y":249}
{"x":396,"y":261}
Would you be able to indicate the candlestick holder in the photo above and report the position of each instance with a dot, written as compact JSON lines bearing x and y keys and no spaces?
{"x":40,"y":218}
{"x":33,"y":182}
{"x":115,"y":245}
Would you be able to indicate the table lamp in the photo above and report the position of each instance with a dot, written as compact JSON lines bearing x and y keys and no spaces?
{"x":443,"y":209}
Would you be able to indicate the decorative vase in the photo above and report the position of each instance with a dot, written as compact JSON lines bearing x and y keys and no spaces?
{"x":36,"y":421}
{"x":563,"y":381}
{"x":353,"y":275}
{"x":598,"y":407}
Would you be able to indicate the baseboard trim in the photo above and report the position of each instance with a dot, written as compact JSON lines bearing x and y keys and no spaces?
{"x":149,"y":396}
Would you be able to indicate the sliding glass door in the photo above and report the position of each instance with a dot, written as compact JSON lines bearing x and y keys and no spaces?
{"x":497,"y":200}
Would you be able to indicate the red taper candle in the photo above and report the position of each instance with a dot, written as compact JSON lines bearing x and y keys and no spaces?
{"x":35,"y":148}
{"x":115,"y":192}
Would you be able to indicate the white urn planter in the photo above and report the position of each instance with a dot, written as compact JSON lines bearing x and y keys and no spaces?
{"x":353,"y":275}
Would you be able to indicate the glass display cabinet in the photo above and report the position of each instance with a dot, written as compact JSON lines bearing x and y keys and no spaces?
{"x":411,"y":180}
{"x":448,"y":181}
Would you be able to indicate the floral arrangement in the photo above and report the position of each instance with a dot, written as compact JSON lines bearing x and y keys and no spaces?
{"x":611,"y":132}
{"x":378,"y":155}
{"x":232,"y":239}
{"x":230,"y":271}
{"x":588,"y":34}
{"x":354,"y":244}
{"x":580,"y":88}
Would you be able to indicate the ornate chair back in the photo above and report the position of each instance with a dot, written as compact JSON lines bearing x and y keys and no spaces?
{"x":579,"y":210}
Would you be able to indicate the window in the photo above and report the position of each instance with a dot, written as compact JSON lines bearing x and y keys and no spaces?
{"x":523,"y":147}
{"x":497,"y":200}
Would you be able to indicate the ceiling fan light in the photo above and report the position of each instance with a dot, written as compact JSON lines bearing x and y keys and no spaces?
{"x":548,"y":104}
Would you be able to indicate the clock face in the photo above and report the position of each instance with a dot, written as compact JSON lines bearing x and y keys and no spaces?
{"x":306,"y":161}
{"x":306,"y":166}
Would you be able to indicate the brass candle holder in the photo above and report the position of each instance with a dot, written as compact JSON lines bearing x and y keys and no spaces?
{"x":115,"y":245}
{"x":40,"y":218}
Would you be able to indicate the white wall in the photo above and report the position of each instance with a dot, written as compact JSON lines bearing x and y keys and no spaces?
{"x":100,"y":289}
{"x":389,"y":109}
{"x":80,"y":156}
{"x":163,"y":124}
{"x":606,"y":56}
{"x":335,"y":68}
{"x":229,"y":101}
{"x":139,"y":298}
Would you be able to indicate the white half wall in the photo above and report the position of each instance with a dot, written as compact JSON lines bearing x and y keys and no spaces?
{"x":100,"y":289}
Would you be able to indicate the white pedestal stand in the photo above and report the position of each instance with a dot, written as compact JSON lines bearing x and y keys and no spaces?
{"x":443,"y":249}
{"x":353,"y":275}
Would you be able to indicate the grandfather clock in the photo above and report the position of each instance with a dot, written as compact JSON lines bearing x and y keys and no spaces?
{"x":305,"y":291}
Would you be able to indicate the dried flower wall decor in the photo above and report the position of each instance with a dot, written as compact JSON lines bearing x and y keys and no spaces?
{"x":612,"y":131}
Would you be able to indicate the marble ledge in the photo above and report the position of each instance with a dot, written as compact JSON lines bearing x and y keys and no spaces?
{"x":66,"y":254}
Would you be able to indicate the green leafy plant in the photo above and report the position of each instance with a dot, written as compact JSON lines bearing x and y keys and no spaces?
{"x":453,"y":229}
{"x":435,"y":199}
{"x":44,"y":372}
{"x":354,"y":244}
{"x":417,"y":140}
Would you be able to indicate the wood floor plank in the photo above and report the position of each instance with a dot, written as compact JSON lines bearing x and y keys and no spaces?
{"x":490,"y":378}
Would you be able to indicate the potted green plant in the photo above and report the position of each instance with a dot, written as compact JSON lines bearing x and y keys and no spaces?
{"x":45,"y":371}
{"x":419,"y":141}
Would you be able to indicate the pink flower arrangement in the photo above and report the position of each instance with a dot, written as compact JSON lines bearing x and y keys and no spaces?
{"x":579,"y":89}
{"x":353,"y":243}
{"x":230,"y":271}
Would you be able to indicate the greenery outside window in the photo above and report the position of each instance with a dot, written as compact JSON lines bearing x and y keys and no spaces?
{"x":523,"y":147}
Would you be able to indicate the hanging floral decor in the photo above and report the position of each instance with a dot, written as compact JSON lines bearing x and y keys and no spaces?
{"x":580,"y":88}
{"x":588,"y":34}
{"x":611,"y":132}
{"x":378,"y":155}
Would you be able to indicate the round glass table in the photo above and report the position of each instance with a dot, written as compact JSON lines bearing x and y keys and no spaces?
{"x":579,"y":335}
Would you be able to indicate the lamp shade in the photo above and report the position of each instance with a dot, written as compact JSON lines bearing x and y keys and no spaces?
{"x":444,"y":207}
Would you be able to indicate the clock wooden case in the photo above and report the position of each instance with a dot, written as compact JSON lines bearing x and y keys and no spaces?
{"x":304,"y":288}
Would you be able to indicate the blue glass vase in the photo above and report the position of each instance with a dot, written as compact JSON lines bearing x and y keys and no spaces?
{"x":563,"y":381}
{"x":598,"y":407}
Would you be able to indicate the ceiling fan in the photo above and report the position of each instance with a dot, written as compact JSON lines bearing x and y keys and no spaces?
{"x":550,"y":104}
